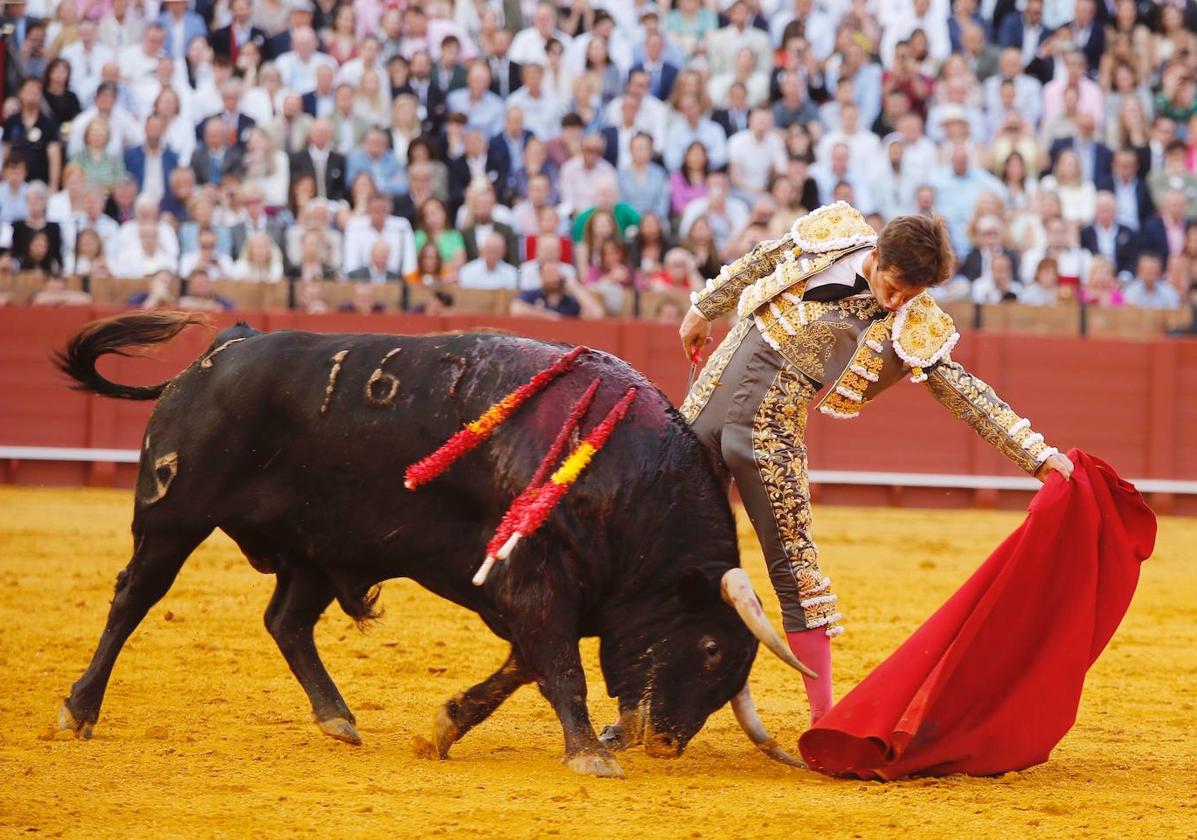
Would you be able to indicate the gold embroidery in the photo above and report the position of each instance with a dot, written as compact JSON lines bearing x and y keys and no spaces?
{"x":973,"y":401}
{"x":723,"y":292}
{"x":779,"y":449}
{"x":862,"y":371}
{"x":923,"y":333}
{"x":808,"y":348}
{"x":708,"y":380}
{"x":833,"y":226}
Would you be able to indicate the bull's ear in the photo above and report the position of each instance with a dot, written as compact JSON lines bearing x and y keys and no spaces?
{"x":697,"y":590}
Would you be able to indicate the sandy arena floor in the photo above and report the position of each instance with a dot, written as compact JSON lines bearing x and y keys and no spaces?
{"x":206,"y":733}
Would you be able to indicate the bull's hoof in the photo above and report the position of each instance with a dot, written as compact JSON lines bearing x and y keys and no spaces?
{"x":67,"y":722}
{"x":444,"y":732}
{"x":599,"y":763}
{"x":340,"y":729}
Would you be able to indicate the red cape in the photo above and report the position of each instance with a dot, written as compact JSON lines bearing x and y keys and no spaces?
{"x":991,"y":682}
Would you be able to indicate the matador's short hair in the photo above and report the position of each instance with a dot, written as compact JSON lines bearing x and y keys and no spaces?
{"x":918,"y":248}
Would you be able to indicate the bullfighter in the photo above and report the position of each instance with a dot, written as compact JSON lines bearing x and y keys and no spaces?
{"x":832,"y":303}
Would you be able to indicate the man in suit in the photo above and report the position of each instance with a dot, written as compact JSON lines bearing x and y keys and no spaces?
{"x":236,"y":123}
{"x":1088,"y":33}
{"x":349,"y":129}
{"x":662,"y":74}
{"x":181,"y":25}
{"x":215,"y":157}
{"x":320,"y":101}
{"x":284,"y":42}
{"x":474,"y":164}
{"x":1105,"y":236}
{"x":506,"y":149}
{"x":1027,"y":31}
{"x":151,"y":163}
{"x":1096,"y":158}
{"x":505,"y":76}
{"x":1164,"y":233}
{"x":14,"y":26}
{"x":734,"y":118}
{"x":449,"y":73}
{"x":423,"y":87}
{"x":321,"y":161}
{"x":253,"y":202}
{"x":1130,"y":191}
{"x":378,"y":269}
{"x":228,"y":40}
{"x":483,"y":224}
{"x":987,"y":244}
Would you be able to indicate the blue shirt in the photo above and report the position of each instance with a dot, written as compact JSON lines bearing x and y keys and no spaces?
{"x":387,"y":172}
{"x":567,"y":306}
{"x":956,"y":199}
{"x":648,"y":196}
{"x":487,"y":114}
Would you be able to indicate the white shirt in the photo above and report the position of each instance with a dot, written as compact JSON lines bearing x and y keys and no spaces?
{"x":477,"y":275}
{"x":85,"y":67}
{"x":842,"y":272}
{"x":542,"y":114}
{"x":125,"y":131}
{"x":300,"y":75}
{"x":135,"y":64}
{"x":153,"y":182}
{"x":168,"y":242}
{"x":360,"y":237}
{"x":528,"y":45}
{"x":754,"y":160}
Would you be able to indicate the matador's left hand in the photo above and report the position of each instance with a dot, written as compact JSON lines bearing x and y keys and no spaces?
{"x":1056,"y":463}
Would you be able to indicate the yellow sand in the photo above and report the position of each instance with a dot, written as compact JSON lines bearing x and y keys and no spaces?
{"x":205,"y":732}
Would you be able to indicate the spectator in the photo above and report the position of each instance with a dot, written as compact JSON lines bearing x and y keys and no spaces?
{"x":606,"y":199}
{"x":756,"y":154}
{"x":484,"y":111}
{"x":1149,"y":290}
{"x":837,"y":169}
{"x":320,"y":161}
{"x":349,"y":128}
{"x":988,"y":232}
{"x":1106,"y":237}
{"x":1077,"y":195}
{"x":298,"y":65}
{"x":1164,"y":233}
{"x":433,"y":226}
{"x":581,"y":175}
{"x":60,"y":99}
{"x":677,"y":273}
{"x":151,"y":163}
{"x":386,"y":173}
{"x":54,"y":292}
{"x":125,"y":129}
{"x":1072,"y":262}
{"x":700,"y":243}
{"x":958,"y":187}
{"x":548,"y":227}
{"x":997,"y":285}
{"x":489,"y":270}
{"x":1043,"y":288}
{"x":143,"y":253}
{"x":35,"y":223}
{"x":611,"y":276}
{"x":159,"y":292}
{"x":261,"y":261}
{"x":548,"y":251}
{"x":377,"y":269}
{"x":478,"y":162}
{"x":1130,"y":191}
{"x":430,"y":269}
{"x":1175,"y":176}
{"x":207,"y":257}
{"x":201,"y":295}
{"x":556,"y":296}
{"x":256,"y":220}
{"x":214,"y":158}
{"x":1104,"y":289}
{"x":689,"y":23}
{"x":99,"y":166}
{"x":13,"y":192}
{"x":647,"y":250}
{"x":794,"y":106}
{"x":362,"y":232}
{"x":483,"y":222}
{"x":693,"y":126}
{"x":33,"y":136}
{"x":689,"y":182}
{"x":87,"y":258}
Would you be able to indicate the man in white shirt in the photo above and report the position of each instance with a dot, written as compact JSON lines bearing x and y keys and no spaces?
{"x":652,"y":115}
{"x":145,"y":214}
{"x":863,"y":145}
{"x":140,"y":61}
{"x":298,"y":67}
{"x":818,"y":26}
{"x":94,"y":218}
{"x":922,"y":16}
{"x":1028,"y":92}
{"x":542,"y":109}
{"x":581,"y":174}
{"x":529,"y":44}
{"x":368,"y":58}
{"x":489,"y":271}
{"x":723,"y":44}
{"x":362,"y":232}
{"x":756,"y":154}
{"x":87,"y":56}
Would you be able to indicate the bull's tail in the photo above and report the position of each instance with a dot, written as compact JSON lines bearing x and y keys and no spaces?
{"x":117,"y":335}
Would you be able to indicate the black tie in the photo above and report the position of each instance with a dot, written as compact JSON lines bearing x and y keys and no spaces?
{"x":836,"y":291}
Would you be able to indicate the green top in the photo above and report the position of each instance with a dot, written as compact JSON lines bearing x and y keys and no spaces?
{"x":450,"y":243}
{"x":625,"y":217}
{"x":105,"y":172}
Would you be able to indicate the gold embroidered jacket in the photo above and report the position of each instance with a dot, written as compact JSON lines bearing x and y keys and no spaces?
{"x":852,"y":344}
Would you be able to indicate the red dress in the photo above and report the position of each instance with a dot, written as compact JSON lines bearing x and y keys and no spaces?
{"x":991,"y":682}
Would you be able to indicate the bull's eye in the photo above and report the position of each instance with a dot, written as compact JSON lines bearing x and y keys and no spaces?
{"x":710,"y":652}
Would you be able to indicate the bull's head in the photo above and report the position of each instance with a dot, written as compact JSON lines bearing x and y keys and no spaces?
{"x":700,"y":663}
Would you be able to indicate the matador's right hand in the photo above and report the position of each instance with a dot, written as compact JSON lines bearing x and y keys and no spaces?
{"x":695,"y":332}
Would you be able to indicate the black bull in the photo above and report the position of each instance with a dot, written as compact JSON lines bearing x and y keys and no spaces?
{"x":295,"y":445}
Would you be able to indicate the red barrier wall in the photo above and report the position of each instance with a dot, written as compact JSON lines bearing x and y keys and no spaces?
{"x":1133,"y":403}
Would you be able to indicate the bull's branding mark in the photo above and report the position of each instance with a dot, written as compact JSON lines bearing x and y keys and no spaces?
{"x":337,"y":358}
{"x":207,"y":360}
{"x":382,"y":394}
{"x":165,"y":470}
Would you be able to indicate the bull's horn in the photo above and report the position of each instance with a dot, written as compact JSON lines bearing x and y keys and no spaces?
{"x":737,"y":591}
{"x":745,"y":711}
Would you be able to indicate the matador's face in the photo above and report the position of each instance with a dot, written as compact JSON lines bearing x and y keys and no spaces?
{"x":890,"y":289}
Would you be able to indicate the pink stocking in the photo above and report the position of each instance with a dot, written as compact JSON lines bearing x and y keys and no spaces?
{"x":814,"y":649}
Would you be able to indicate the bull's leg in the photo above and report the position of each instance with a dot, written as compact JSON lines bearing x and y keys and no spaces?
{"x":156,"y":561}
{"x":563,"y":683}
{"x":300,"y":596}
{"x":465,"y":711}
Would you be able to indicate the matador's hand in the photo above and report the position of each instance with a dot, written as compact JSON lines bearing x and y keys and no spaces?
{"x":695,"y":332}
{"x":1056,"y":463}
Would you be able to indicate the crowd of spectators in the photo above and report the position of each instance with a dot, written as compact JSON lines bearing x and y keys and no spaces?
{"x":574,"y":152}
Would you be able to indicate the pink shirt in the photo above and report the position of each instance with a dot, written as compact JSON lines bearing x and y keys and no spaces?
{"x":1090,"y":100}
